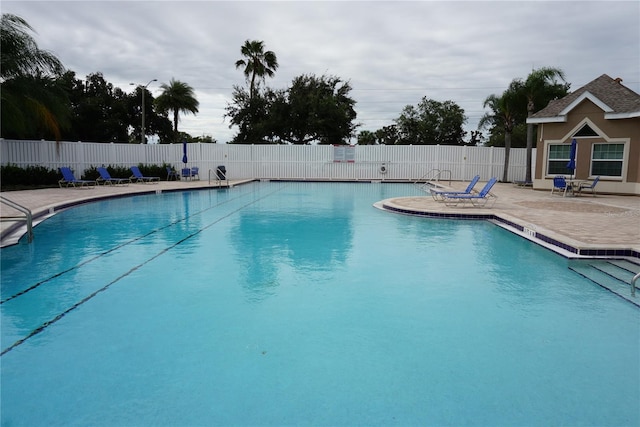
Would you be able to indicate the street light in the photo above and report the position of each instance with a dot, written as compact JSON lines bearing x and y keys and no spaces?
{"x":142,"y":89}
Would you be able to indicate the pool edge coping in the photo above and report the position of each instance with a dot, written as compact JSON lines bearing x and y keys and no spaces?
{"x":566,"y":247}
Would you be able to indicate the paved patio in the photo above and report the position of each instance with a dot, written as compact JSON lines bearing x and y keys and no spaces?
{"x":585,"y":222}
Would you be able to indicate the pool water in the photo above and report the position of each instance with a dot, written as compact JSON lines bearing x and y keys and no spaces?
{"x":301,"y":304}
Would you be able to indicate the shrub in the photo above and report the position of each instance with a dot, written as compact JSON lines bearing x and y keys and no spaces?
{"x":13,"y":175}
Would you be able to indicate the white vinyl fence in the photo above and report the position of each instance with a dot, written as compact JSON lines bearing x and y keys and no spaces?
{"x":306,"y":162}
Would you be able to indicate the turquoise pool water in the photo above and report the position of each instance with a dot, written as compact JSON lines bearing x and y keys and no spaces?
{"x":301,"y":304}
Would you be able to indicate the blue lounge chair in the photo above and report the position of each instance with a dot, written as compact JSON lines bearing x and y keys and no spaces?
{"x":69,"y":180}
{"x":440,"y":195}
{"x":138,"y":177}
{"x":587,"y":186}
{"x":195,"y":171}
{"x":105,"y":178}
{"x":483,"y":199}
{"x":560,"y":184}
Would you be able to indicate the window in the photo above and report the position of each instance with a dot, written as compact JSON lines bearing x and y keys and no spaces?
{"x":558,"y":159}
{"x":606,"y":159}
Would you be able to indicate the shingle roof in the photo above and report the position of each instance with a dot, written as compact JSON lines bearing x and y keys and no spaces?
{"x":620,"y":100}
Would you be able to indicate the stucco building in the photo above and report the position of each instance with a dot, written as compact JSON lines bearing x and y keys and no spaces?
{"x":604,"y":118}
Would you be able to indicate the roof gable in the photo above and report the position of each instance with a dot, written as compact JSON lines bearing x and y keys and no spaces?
{"x":614,"y":99}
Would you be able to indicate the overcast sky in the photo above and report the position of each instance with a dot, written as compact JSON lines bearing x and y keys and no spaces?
{"x":393,"y":53}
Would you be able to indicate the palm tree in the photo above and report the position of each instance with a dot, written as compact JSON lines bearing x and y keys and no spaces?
{"x":20,"y":53}
{"x":177,"y":97}
{"x":539,"y":88}
{"x":503,"y":115}
{"x":32,"y":101}
{"x":258,"y":63}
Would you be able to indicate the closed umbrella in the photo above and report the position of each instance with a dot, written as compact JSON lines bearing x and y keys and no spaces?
{"x":572,"y":157}
{"x":185,"y":171}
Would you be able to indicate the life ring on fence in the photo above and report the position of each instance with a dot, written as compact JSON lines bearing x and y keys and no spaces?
{"x":383,"y":168}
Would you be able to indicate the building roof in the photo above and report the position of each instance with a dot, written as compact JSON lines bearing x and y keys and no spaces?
{"x":616,"y":101}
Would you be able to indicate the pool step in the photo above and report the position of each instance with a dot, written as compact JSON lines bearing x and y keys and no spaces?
{"x":613,"y":275}
{"x":626,"y":265}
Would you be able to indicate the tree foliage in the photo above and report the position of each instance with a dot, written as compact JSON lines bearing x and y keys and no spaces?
{"x":503,"y":116}
{"x":20,"y":53}
{"x":540,"y":87}
{"x":99,"y":110}
{"x":312,"y":109}
{"x":40,"y":100}
{"x":366,"y":137}
{"x":33,"y":104}
{"x":250,"y":116}
{"x":257,"y":64}
{"x":431,"y":122}
{"x":315,"y":109}
{"x":506,"y":120}
{"x":177,"y":97}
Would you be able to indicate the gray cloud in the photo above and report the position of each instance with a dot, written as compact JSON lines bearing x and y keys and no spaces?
{"x":393,"y":53}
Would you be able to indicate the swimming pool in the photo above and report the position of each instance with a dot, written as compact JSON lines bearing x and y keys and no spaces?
{"x":301,"y":304}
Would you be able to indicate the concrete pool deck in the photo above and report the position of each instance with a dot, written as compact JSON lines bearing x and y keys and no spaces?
{"x":573,"y":226}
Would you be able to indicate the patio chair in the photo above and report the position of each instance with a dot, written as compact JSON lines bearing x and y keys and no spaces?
{"x":560,"y":184}
{"x":105,"y":178}
{"x":483,"y":199}
{"x":171,"y":174}
{"x":195,"y":171}
{"x":138,"y":177}
{"x":69,"y":180}
{"x":185,"y":173}
{"x":440,"y":195}
{"x":589,"y":186}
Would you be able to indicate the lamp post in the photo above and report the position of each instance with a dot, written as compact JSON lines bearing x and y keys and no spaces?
{"x":142,"y":89}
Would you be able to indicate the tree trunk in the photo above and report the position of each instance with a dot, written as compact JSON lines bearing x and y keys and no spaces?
{"x":507,"y":149}
{"x":175,"y":125}
{"x":530,"y":108}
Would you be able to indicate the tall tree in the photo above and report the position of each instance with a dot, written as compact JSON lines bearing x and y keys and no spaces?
{"x":100,"y":111}
{"x":32,"y":102}
{"x":249,"y":115}
{"x":177,"y":97}
{"x":388,"y":135}
{"x":20,"y":55}
{"x":318,"y":109}
{"x":540,"y":87}
{"x":366,"y":137}
{"x":431,"y":122}
{"x":503,"y":116}
{"x":313,"y":110}
{"x":257,"y":64}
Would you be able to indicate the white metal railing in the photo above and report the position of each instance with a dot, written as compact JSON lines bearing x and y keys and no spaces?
{"x":633,"y":284}
{"x":426,"y":181}
{"x":27,"y":216}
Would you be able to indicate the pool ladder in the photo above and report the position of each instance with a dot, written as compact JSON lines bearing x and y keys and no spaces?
{"x":28,"y":217}
{"x":217,"y":180}
{"x":427,"y":180}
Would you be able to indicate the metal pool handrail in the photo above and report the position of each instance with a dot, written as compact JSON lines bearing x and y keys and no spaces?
{"x":27,"y":216}
{"x":633,"y":284}
{"x":433,"y":175}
